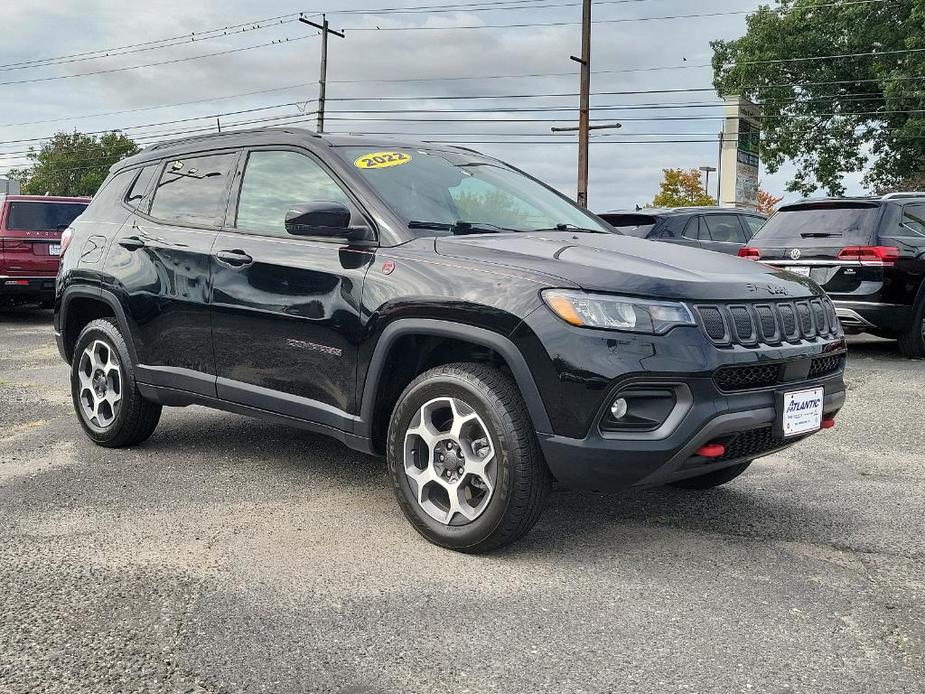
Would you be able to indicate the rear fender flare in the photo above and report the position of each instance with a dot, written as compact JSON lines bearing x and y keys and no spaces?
{"x":102,"y":296}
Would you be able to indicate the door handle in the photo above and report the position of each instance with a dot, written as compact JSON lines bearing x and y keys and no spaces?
{"x":235,"y":258}
{"x":131,"y":243}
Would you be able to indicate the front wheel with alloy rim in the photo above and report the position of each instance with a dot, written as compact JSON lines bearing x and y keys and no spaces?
{"x":109,"y":405}
{"x":464,"y":460}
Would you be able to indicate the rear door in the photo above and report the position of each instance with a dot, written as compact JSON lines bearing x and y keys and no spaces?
{"x":725,"y":233}
{"x":30,"y":235}
{"x":808,"y":239}
{"x":160,"y":265}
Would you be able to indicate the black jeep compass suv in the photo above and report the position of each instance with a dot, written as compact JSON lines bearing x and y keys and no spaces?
{"x":867,"y":253}
{"x":440,"y":307}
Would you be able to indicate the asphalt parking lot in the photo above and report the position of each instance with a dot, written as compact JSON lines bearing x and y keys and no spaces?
{"x":229,"y":555}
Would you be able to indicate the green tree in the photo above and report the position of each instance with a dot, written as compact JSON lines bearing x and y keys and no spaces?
{"x":681,"y":188}
{"x":833,"y":115}
{"x":72,"y":163}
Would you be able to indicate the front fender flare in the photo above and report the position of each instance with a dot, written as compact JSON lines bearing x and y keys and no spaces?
{"x":480,"y":336}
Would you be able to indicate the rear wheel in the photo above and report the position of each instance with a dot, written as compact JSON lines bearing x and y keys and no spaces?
{"x":712,"y":479}
{"x":107,"y":400}
{"x":464,"y":460}
{"x":912,"y":342}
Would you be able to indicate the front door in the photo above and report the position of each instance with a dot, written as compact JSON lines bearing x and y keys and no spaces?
{"x":286,"y":309}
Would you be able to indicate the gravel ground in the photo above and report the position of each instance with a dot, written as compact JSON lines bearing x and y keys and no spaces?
{"x":229,"y":555}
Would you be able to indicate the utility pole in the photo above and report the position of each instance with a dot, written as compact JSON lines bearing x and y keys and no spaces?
{"x":584,"y":102}
{"x":324,"y":63}
{"x":706,"y":186}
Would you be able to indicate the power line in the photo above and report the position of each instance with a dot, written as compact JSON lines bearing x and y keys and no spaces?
{"x":150,"y":45}
{"x":108,"y":71}
{"x":154,"y":108}
{"x":622,"y":20}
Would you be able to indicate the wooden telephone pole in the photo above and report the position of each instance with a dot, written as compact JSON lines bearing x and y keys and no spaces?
{"x":584,"y":102}
{"x":322,"y":81}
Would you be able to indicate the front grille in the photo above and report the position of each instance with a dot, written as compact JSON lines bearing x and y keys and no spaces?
{"x":752,"y":376}
{"x":750,"y":444}
{"x":769,"y":323}
{"x":747,"y":377}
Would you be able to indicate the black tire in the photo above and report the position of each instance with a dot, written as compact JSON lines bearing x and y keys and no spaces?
{"x":712,"y":479}
{"x":912,"y":341}
{"x":136,"y":418}
{"x":522,"y":478}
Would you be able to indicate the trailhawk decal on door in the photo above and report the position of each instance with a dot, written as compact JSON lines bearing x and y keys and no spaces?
{"x":381,"y":160}
{"x":314,"y":347}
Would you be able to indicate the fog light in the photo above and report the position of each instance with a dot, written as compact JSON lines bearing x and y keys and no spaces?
{"x":619,"y":408}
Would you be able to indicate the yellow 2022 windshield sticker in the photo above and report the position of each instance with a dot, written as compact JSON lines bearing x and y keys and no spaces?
{"x":381,"y":160}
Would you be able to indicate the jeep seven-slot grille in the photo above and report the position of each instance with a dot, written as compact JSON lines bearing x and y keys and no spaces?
{"x":733,"y":378}
{"x":769,"y":323}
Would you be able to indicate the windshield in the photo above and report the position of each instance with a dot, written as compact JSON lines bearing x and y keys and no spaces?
{"x":837,"y":224}
{"x":42,"y":216}
{"x":446,"y":188}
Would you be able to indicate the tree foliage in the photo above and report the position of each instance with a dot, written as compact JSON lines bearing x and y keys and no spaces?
{"x":72,"y":163}
{"x":682,"y":188}
{"x":831,"y":116}
{"x":767,"y":203}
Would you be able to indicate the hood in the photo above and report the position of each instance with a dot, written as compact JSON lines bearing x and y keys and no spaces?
{"x":627,"y":265}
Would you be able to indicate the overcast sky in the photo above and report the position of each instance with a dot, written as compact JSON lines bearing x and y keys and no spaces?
{"x":373,"y":65}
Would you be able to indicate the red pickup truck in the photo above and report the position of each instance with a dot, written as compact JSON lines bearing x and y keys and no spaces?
{"x":30,"y":245}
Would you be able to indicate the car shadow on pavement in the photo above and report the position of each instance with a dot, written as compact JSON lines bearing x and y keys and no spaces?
{"x":752,"y":508}
{"x":25,"y":315}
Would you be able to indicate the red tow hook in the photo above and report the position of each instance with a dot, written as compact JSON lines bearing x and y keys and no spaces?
{"x":828,"y":423}
{"x":711,"y":450}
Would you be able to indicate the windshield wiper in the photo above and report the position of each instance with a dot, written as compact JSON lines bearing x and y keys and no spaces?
{"x":819,"y":234}
{"x":459,"y":227}
{"x":571,"y":227}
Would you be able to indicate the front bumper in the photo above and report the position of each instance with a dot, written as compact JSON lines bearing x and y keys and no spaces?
{"x":745,"y":422}
{"x":579,"y":372}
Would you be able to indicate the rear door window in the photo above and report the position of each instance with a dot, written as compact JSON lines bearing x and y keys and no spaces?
{"x":833,"y":225}
{"x":725,"y":228}
{"x":194,"y":190}
{"x":42,"y":216}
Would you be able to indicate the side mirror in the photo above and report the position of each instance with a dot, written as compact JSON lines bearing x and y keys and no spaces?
{"x":318,"y":219}
{"x":330,"y":219}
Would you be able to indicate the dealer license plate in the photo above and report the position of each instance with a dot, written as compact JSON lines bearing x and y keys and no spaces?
{"x":54,"y":249}
{"x":799,"y":270}
{"x":802,"y":411}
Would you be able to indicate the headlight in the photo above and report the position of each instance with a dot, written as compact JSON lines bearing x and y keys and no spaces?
{"x":617,"y":312}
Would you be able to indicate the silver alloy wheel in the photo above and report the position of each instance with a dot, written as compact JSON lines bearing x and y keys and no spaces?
{"x":450,"y":461}
{"x":100,"y":379}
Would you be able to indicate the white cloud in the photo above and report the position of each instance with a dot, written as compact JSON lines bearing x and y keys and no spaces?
{"x":621,"y":174}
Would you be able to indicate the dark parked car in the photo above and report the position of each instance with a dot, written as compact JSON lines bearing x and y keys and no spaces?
{"x":867,"y":253}
{"x":378,"y":292}
{"x":720,"y":229}
{"x":30,"y":245}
